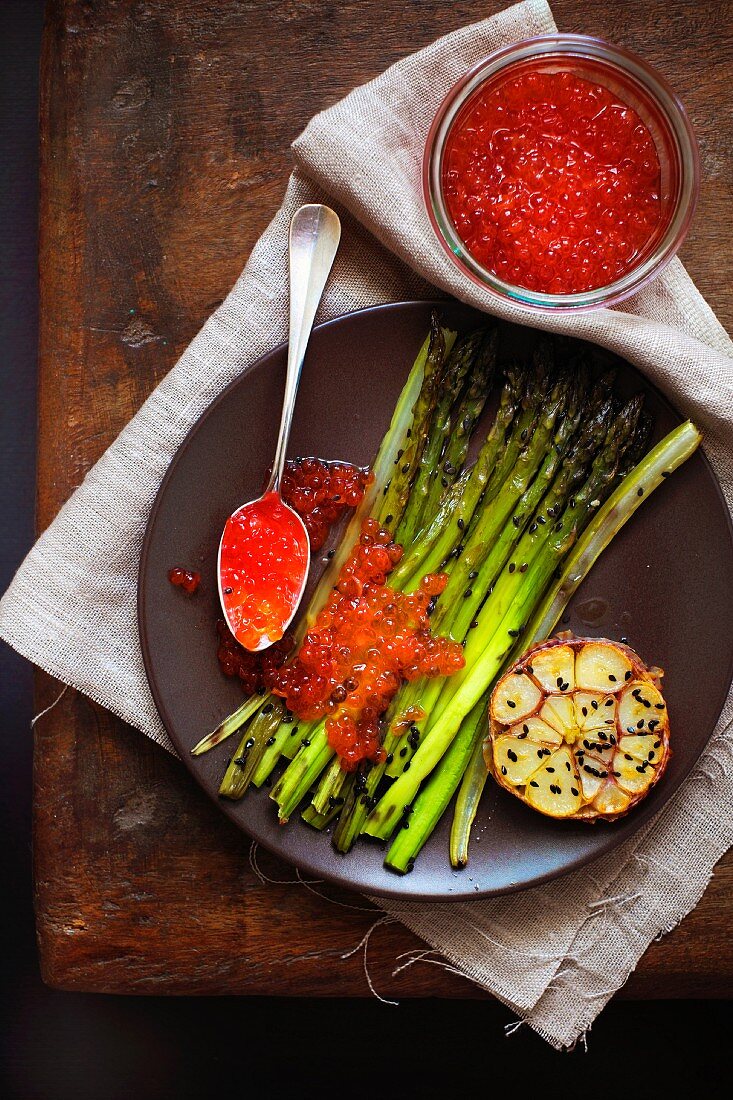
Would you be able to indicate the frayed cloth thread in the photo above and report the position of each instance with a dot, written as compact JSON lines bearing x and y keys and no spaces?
{"x":48,"y":709}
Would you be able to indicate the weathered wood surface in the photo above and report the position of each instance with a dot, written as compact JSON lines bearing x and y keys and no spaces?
{"x":165,"y":128}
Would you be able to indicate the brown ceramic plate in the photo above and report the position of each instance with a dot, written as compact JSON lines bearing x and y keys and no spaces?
{"x":664,"y":584}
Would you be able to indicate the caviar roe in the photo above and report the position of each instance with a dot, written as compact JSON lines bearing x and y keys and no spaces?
{"x":257,"y":671}
{"x":262,"y":562}
{"x":186,"y":579}
{"x":366,"y":641}
{"x":320,"y":492}
{"x":552,"y":183}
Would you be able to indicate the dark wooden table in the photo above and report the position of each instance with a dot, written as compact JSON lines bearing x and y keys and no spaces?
{"x":165,"y":128}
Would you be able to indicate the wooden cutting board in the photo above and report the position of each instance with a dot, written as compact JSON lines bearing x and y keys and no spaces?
{"x":165,"y":127}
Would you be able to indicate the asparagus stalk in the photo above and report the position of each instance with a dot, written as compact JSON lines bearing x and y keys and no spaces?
{"x":329,"y":787}
{"x":463,"y":422}
{"x":319,"y":821}
{"x":230,"y":725}
{"x":467,"y":802}
{"x":458,"y":364}
{"x":647,"y":476}
{"x":491,"y":519}
{"x":433,"y":799}
{"x":398,"y":482}
{"x":303,"y":770}
{"x":238,"y":775}
{"x":433,"y":547}
{"x":285,"y":741}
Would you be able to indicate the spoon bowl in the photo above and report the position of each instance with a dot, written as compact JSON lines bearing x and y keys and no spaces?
{"x":264,"y":551}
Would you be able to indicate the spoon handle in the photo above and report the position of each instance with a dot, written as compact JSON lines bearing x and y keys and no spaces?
{"x":315,"y":232}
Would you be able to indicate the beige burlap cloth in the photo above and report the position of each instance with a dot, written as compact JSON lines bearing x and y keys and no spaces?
{"x":558,"y":952}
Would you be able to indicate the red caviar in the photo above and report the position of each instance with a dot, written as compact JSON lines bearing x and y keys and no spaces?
{"x":262,"y":562}
{"x":186,"y":579}
{"x":552,"y":182}
{"x":364,"y":643}
{"x":320,"y":492}
{"x":257,"y":671}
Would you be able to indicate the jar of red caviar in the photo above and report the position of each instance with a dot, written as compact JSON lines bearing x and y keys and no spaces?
{"x":561,"y":173}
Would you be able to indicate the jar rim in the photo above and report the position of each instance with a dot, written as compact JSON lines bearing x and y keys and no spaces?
{"x":649,"y":83}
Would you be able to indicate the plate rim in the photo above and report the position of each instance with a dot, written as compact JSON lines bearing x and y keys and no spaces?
{"x":307,"y":865}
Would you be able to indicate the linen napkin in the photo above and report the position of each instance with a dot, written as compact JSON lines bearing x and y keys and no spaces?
{"x":555,"y":953}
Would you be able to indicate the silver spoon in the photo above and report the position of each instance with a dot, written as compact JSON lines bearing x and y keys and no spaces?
{"x":264,"y":552}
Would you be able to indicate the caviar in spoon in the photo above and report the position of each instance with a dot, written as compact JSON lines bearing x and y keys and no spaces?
{"x":264,"y":551}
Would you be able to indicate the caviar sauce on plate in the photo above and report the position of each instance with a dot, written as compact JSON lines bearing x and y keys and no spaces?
{"x":263,"y":566}
{"x":552,"y":183}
